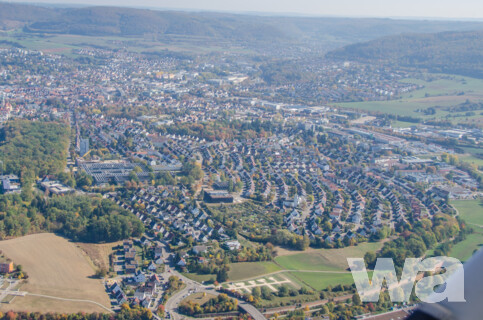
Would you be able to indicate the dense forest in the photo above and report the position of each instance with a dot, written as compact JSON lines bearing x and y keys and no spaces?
{"x":445,"y":52}
{"x":36,"y":148}
{"x":80,"y":218}
{"x":40,"y":147}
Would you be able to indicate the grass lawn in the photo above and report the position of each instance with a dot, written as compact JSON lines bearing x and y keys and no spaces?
{"x":200,"y":277}
{"x":470,"y":210}
{"x":247,"y":270}
{"x":403,"y":124}
{"x":320,"y":281}
{"x":276,"y":301}
{"x":464,"y":250}
{"x":199,"y":297}
{"x":325,"y":259}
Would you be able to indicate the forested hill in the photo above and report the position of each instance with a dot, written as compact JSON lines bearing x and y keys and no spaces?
{"x":446,"y":52}
{"x":323,"y":32}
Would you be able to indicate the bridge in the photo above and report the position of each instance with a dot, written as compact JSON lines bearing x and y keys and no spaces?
{"x":251,"y":310}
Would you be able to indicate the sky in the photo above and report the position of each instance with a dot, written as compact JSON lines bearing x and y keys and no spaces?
{"x":461,"y":9}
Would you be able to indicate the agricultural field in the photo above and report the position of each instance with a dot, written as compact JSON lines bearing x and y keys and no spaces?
{"x":60,"y":276}
{"x":99,"y":252}
{"x":64,"y":43}
{"x":324,"y":259}
{"x":444,"y":91}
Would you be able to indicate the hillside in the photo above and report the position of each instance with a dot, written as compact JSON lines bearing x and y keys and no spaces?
{"x":14,"y":16}
{"x":99,"y":21}
{"x":446,"y":52}
{"x":323,"y":33}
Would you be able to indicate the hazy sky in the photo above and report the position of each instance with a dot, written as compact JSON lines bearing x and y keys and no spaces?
{"x":365,"y":8}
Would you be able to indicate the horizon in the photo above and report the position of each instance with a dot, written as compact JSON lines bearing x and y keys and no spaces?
{"x":312,"y":10}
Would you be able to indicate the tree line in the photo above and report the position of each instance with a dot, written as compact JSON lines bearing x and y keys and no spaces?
{"x":415,"y":240}
{"x":220,"y":304}
{"x":80,"y":218}
{"x":126,"y":313}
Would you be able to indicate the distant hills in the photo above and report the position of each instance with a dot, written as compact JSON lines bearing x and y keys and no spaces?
{"x":323,"y":33}
{"x":446,"y":52}
{"x":14,"y":16}
{"x":112,"y":21}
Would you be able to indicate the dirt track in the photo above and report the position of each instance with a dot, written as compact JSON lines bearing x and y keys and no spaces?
{"x":57,"y":268}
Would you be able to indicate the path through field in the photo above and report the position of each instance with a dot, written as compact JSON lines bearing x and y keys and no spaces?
{"x":60,"y":276}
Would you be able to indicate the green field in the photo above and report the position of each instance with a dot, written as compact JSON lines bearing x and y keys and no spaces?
{"x":306,"y":261}
{"x":200,"y":277}
{"x":403,"y":124}
{"x":447,"y":90}
{"x":472,"y":155}
{"x":470,"y":210}
{"x":325,"y":259}
{"x":464,"y":249}
{"x":319,"y":281}
{"x":240,"y":271}
{"x":471,"y":159}
{"x":248,"y":270}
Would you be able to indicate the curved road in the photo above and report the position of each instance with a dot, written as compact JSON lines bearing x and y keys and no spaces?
{"x":191,"y":285}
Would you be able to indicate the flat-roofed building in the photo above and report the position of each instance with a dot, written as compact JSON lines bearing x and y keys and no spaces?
{"x":218,"y":197}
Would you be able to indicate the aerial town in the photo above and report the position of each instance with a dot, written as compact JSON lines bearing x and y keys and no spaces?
{"x":221,"y":166}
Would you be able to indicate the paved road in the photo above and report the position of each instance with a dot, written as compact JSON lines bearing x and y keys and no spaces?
{"x":191,"y":285}
{"x":174,"y":301}
{"x":254,"y":312}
